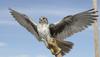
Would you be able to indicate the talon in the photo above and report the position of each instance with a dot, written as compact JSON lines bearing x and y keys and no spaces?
{"x":55,"y":51}
{"x":48,"y":47}
{"x":52,"y":51}
{"x":59,"y":50}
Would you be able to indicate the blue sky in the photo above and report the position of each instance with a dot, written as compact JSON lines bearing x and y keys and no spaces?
{"x":15,"y":41}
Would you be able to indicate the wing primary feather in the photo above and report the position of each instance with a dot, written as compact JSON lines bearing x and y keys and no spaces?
{"x":73,"y":23}
{"x":25,"y":21}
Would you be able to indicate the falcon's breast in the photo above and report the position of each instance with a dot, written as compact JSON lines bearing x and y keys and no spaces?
{"x":43,"y":30}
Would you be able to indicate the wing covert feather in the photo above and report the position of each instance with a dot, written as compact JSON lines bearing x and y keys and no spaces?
{"x":72,"y":24}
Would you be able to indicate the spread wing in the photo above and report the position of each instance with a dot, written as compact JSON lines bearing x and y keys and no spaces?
{"x":24,"y":20}
{"x":72,"y":24}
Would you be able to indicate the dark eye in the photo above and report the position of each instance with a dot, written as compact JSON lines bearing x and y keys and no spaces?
{"x":43,"y":18}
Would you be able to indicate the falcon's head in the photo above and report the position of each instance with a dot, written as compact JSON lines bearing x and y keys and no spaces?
{"x":43,"y":20}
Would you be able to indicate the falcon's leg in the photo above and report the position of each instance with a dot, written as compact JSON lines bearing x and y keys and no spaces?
{"x":53,"y":46}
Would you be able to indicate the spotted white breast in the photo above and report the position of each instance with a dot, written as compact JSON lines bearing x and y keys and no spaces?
{"x":43,"y":30}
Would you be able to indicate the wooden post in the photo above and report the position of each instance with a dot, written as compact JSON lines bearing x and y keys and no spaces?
{"x":58,"y":55}
{"x":96,"y":32}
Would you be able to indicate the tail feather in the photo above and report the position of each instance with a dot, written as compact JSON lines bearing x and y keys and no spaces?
{"x":65,"y":46}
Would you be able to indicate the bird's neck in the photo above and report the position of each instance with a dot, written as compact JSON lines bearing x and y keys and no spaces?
{"x":43,"y":24}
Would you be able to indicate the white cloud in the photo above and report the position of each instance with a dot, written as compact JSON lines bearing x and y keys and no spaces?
{"x":7,"y":22}
{"x":22,"y":55}
{"x":41,"y":55}
{"x":2,"y":44}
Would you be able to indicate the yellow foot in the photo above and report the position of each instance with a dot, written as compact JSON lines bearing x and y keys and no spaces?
{"x":52,"y":51}
{"x":58,"y":51}
{"x":55,"y":52}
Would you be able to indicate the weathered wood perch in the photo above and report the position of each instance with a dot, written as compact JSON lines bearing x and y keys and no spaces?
{"x":58,"y":55}
{"x":96,"y":32}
